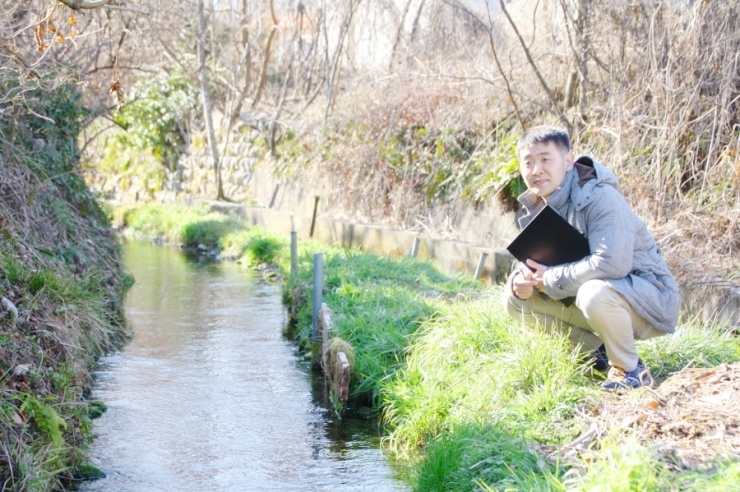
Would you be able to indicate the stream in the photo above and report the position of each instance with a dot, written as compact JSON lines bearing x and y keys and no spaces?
{"x":211,"y":396}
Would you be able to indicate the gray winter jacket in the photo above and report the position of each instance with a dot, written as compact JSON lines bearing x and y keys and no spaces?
{"x":623,"y":252}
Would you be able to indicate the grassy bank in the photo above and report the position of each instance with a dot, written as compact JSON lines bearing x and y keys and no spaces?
{"x":379,"y":304}
{"x":198,"y":230}
{"x":483,"y":402}
{"x":473,"y":401}
{"x":61,"y":282}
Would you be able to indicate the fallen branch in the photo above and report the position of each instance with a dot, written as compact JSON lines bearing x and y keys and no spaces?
{"x":98,"y":4}
{"x":82,"y":4}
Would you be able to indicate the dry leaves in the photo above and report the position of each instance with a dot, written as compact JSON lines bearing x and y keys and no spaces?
{"x":691,"y":416}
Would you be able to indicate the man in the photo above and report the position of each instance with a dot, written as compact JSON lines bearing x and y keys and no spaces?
{"x":623,"y":290}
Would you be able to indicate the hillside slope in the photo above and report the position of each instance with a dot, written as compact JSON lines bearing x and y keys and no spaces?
{"x":61,"y":283}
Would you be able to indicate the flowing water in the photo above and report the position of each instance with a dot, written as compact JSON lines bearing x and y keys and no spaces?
{"x":210,"y":396}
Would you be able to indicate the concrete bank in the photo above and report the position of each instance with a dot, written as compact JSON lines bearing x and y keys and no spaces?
{"x":707,"y":301}
{"x":448,"y":255}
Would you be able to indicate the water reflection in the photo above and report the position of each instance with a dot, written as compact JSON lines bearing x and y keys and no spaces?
{"x":210,"y":396}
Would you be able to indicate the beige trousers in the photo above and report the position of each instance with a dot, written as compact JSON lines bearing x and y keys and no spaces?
{"x":599,"y":315}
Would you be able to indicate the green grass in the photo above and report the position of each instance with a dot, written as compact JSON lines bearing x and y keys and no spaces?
{"x":694,"y":344}
{"x":471,"y":368}
{"x":197,"y":226}
{"x":378,"y":302}
{"x":210,"y":232}
{"x":473,"y":365}
{"x":158,"y":221}
{"x":632,"y":467}
{"x":470,"y":455}
{"x":73,"y":300}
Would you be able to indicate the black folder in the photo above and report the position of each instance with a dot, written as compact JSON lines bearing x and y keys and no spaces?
{"x":550,"y":240}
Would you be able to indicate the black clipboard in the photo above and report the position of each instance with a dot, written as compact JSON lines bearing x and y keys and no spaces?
{"x":550,"y":240}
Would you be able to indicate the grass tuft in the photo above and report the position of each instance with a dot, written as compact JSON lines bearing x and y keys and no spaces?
{"x":199,"y":227}
{"x":262,"y":249}
{"x":472,"y":364}
{"x":630,"y":466}
{"x":471,"y":455}
{"x":694,"y":344}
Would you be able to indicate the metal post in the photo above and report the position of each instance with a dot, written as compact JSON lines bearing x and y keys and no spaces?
{"x":415,"y":247}
{"x":481,"y":265}
{"x":293,"y":253}
{"x":313,"y":219}
{"x":318,"y":287}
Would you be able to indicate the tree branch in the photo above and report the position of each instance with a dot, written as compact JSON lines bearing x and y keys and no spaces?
{"x":207,"y":101}
{"x":398,"y":34}
{"x":266,"y":60}
{"x":543,"y":83}
{"x":501,"y":70}
{"x":126,"y":9}
{"x":97,"y":4}
{"x":82,"y":4}
{"x":18,"y":58}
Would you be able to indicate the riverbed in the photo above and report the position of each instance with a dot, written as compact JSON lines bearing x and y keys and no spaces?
{"x":211,"y":396}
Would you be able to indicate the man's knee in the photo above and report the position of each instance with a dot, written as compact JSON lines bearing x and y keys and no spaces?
{"x":594,"y":295}
{"x":512,"y":304}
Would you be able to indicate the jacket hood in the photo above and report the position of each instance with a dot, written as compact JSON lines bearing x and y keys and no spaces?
{"x":603,"y":174}
{"x":580,"y":183}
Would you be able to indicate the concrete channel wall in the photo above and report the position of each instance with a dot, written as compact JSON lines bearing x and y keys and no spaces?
{"x":448,"y":255}
{"x":707,"y":302}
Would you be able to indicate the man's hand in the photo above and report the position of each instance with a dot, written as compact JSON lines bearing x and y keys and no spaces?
{"x":524,"y":284}
{"x":527,"y":280}
{"x":538,"y":275}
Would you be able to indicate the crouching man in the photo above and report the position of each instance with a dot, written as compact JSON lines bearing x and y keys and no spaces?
{"x":622,"y":292}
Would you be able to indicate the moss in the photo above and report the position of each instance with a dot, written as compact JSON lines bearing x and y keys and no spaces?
{"x":96,"y":409}
{"x":88,"y":472}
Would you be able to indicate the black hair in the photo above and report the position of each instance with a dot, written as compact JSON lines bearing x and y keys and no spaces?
{"x":544,"y":134}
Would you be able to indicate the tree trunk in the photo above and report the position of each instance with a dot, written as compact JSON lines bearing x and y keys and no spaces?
{"x":398,"y":33}
{"x":584,"y":25}
{"x":207,"y":101}
{"x":266,"y":61}
{"x":246,"y":65}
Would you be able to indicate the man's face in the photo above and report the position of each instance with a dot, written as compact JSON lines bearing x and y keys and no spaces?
{"x":543,"y":167}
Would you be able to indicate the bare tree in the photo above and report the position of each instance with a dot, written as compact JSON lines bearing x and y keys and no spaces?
{"x":208,"y":116}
